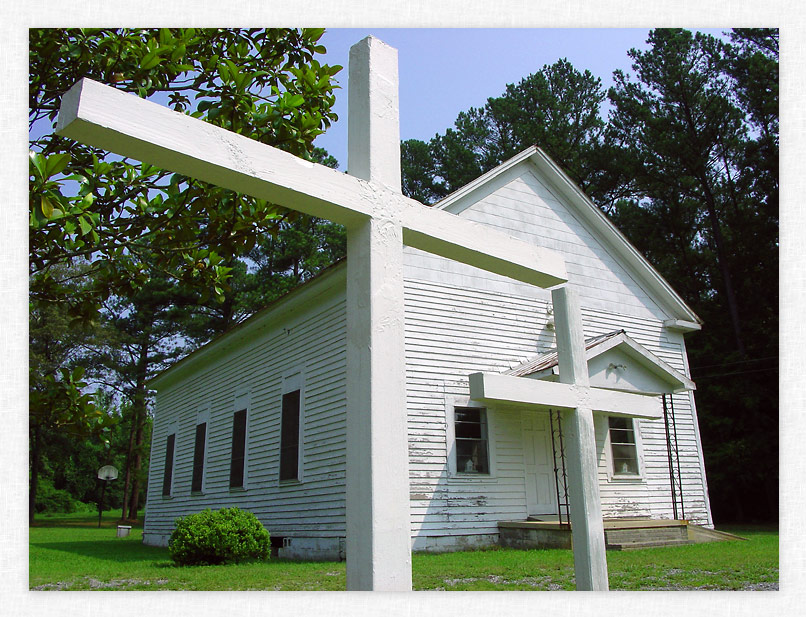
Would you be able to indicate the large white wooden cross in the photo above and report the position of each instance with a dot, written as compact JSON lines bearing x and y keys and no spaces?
{"x":379,"y":222}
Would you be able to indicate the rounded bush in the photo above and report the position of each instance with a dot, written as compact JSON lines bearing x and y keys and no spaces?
{"x":53,"y":500}
{"x":223,"y":536}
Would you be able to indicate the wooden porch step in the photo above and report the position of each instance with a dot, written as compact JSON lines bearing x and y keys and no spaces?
{"x":640,"y":534}
{"x":631,"y":546}
{"x":620,"y":534}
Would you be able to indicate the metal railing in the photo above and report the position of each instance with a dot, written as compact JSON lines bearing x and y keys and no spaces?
{"x":675,"y":478}
{"x":560,"y":475}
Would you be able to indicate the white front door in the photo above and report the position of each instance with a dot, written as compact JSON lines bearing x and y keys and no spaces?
{"x":541,"y":490}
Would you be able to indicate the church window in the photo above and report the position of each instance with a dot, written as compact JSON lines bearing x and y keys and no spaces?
{"x":623,"y":446}
{"x":470,"y":429}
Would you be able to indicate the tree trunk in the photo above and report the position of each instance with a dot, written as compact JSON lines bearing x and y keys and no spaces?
{"x":133,"y":458}
{"x":127,"y":472}
{"x":36,"y":462}
{"x":138,"y":462}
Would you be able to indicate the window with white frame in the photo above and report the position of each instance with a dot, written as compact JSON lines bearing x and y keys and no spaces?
{"x":471,"y":437}
{"x":623,"y":446}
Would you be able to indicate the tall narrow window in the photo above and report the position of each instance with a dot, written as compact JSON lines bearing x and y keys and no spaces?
{"x":289,"y":437}
{"x":238,"y":449}
{"x":623,"y":447}
{"x":470,"y":428}
{"x":197,"y":484}
{"x":167,"y":476}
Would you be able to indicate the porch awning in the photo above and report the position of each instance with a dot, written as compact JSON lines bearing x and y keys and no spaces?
{"x":626,"y":380}
{"x":615,"y":361}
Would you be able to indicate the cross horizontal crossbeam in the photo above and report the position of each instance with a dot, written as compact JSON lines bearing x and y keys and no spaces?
{"x":122,"y":123}
{"x":538,"y":394}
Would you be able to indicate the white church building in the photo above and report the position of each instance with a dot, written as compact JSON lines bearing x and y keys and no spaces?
{"x":257,"y":417}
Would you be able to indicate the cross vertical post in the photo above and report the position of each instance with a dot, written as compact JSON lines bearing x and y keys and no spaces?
{"x":587,"y":528}
{"x":378,"y":543}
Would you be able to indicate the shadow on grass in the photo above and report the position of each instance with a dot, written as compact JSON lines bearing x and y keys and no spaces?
{"x":111,"y":550}
{"x":84,"y":522}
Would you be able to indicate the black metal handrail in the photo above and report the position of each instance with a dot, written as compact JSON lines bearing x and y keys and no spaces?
{"x":560,"y":475}
{"x":675,"y":477}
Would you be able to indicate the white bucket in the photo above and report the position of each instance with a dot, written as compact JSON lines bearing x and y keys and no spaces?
{"x":123,"y":530}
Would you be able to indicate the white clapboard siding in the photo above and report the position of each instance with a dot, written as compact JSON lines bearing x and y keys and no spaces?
{"x":313,"y":340}
{"x":440,"y":352}
{"x":522,"y":206}
{"x":450,"y":332}
{"x":461,"y":320}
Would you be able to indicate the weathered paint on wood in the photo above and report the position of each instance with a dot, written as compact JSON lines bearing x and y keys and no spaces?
{"x":590,"y":565}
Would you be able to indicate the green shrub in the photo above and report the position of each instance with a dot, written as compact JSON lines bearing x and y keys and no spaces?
{"x":49,"y":499}
{"x":224,"y":536}
{"x":82,"y":507}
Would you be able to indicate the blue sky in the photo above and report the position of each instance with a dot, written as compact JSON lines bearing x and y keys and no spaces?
{"x":445,"y":71}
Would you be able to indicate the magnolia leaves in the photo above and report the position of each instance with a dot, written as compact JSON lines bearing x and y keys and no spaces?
{"x":131,"y":219}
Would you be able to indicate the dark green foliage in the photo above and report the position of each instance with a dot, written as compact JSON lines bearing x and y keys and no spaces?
{"x":418,"y":171}
{"x":695,"y":136}
{"x":50,"y":499}
{"x":159,"y":254}
{"x":294,"y":251}
{"x":61,"y":410}
{"x":216,"y":537}
{"x":556,"y":108}
{"x":131,"y":217}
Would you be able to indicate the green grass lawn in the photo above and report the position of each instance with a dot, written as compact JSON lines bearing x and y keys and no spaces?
{"x":71,"y":552}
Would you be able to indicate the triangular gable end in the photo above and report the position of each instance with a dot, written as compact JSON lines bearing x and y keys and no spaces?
{"x":683,"y":317}
{"x":616,"y":362}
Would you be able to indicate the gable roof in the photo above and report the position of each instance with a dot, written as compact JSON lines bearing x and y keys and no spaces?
{"x":549,"y":360}
{"x":596,"y":346}
{"x":684,"y":318}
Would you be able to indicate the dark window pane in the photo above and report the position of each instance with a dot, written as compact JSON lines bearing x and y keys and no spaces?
{"x":467,"y":414}
{"x":616,"y":422}
{"x":238,"y":449}
{"x":198,"y":457}
{"x":468,"y":430}
{"x":618,"y":435}
{"x":622,"y":446}
{"x":169,"y":465}
{"x":289,"y":436}
{"x":624,"y":460}
{"x":471,"y":456}
{"x":625,"y":466}
{"x":623,"y":452}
